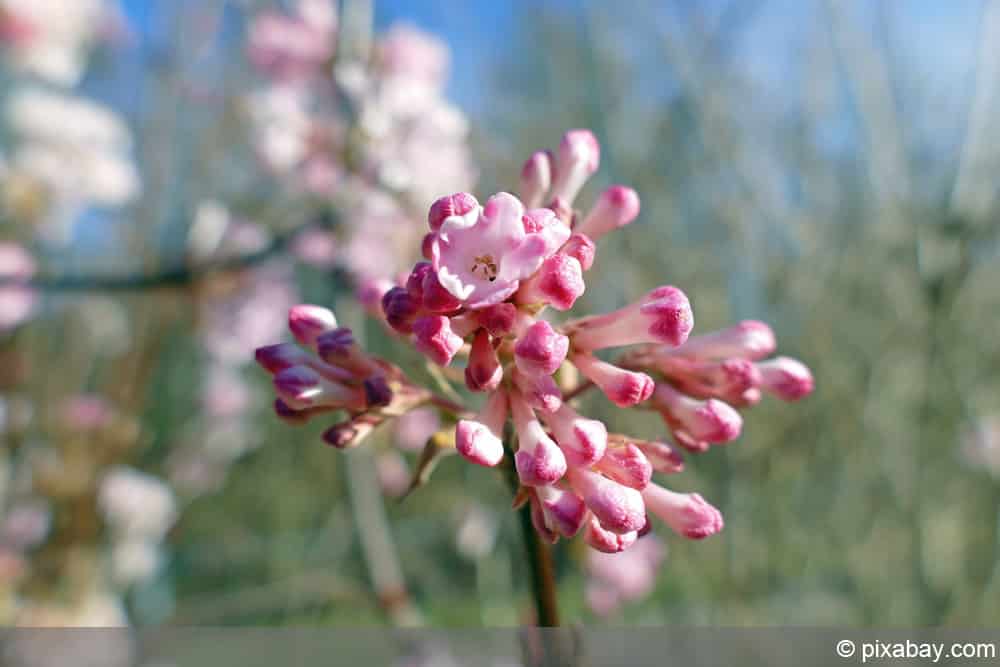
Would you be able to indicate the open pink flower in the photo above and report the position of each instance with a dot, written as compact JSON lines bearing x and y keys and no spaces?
{"x":482,"y":256}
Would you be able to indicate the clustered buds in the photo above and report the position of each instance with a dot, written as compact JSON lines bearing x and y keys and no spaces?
{"x":330,"y":373}
{"x":490,"y":273}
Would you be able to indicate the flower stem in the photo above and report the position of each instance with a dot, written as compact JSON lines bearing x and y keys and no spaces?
{"x":543,"y":580}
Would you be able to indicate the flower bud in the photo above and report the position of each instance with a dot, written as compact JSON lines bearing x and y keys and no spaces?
{"x":578,"y":158}
{"x":538,"y":459}
{"x":786,"y":378}
{"x":541,"y":350}
{"x":563,"y":511}
{"x":623,"y":388}
{"x":433,"y":336}
{"x":558,"y":283}
{"x":540,"y":391}
{"x":338,"y":348}
{"x":583,"y":441}
{"x":687,"y":514}
{"x":749,"y":339}
{"x":616,"y":207}
{"x":626,"y":465}
{"x":400,"y":309}
{"x":307,"y":322}
{"x":484,"y":371}
{"x":275,"y":358}
{"x":480,"y":440}
{"x":619,"y":508}
{"x":695,"y":423}
{"x":581,"y":248}
{"x":302,"y":387}
{"x":597,"y":537}
{"x":536,"y":178}
{"x":663,"y":315}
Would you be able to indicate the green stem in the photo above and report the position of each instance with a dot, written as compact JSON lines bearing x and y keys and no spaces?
{"x":543,"y":580}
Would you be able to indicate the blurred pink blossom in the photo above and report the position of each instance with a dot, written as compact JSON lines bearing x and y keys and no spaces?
{"x":615,"y":579}
{"x":16,"y":303}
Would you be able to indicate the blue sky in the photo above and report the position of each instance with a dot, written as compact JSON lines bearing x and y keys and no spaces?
{"x":937,"y":38}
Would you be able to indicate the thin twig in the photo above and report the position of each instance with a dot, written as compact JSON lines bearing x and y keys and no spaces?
{"x":179,"y":276}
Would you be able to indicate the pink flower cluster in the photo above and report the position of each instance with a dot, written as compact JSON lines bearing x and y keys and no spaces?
{"x":490,"y":272}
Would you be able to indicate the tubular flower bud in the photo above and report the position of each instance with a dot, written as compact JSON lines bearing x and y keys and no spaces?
{"x":617,"y":207}
{"x":278,"y":357}
{"x":339,"y":348}
{"x":626,"y":465}
{"x":662,"y":316}
{"x":307,"y":322}
{"x":619,"y":508}
{"x":433,"y":336}
{"x":538,"y":459}
{"x":582,"y":440}
{"x":786,"y":378}
{"x":581,"y":248}
{"x":578,"y":157}
{"x":606,"y":541}
{"x":559,"y":283}
{"x":697,"y":424}
{"x":480,"y":440}
{"x":623,"y":388}
{"x":540,"y":391}
{"x":484,"y":371}
{"x":541,"y":350}
{"x":536,"y":178}
{"x":729,"y":380}
{"x":302,"y":387}
{"x":459,"y":204}
{"x":687,"y":514}
{"x":747,"y":340}
{"x":562,"y":511}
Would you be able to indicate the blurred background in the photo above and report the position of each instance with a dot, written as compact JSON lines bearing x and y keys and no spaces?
{"x":175,"y":174}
